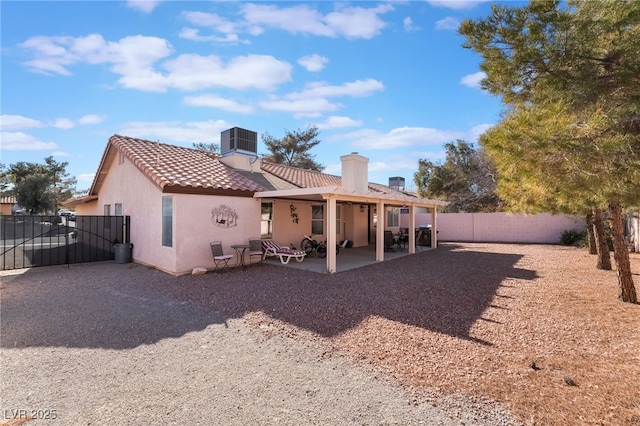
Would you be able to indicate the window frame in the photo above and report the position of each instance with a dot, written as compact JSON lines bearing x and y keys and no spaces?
{"x":317,"y":219}
{"x":266,"y":223}
{"x":393,"y":217}
{"x":167,"y":221}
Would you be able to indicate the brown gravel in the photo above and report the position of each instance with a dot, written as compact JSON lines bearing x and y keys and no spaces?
{"x":457,"y":327}
{"x":470,"y":319}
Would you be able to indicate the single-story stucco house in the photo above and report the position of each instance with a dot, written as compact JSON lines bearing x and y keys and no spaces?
{"x":181,"y":199}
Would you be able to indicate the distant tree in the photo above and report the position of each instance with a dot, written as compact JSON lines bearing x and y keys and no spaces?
{"x":35,"y":195}
{"x":293,"y":148}
{"x":466,"y":179}
{"x":5,"y":179}
{"x":41,"y":187}
{"x":208,"y":147}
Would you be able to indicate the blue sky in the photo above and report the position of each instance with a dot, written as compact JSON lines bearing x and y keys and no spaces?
{"x":389,"y":80}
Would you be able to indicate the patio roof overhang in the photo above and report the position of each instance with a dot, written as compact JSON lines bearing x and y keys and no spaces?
{"x":394,"y":198}
{"x":332,"y":195}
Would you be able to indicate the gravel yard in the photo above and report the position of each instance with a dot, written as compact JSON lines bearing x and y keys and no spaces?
{"x":444,"y":337}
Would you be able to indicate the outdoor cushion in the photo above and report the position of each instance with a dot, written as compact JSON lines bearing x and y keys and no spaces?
{"x":271,"y":248}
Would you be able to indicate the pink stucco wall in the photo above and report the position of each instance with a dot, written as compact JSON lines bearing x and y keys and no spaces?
{"x":353,"y":223}
{"x":542,"y":228}
{"x":193,"y":228}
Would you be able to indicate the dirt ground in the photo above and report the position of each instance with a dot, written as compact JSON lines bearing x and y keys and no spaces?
{"x":449,"y":336}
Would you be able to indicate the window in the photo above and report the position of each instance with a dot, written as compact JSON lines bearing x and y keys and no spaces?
{"x":338,"y":220}
{"x":266,"y":220}
{"x":118,"y":211}
{"x":393,"y":216}
{"x":106,"y":218}
{"x":317,"y":219}
{"x":167,"y":221}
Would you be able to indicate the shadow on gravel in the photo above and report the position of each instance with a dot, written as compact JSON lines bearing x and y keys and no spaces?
{"x":445,"y":290}
{"x":96,"y":305}
{"x":115,"y":306}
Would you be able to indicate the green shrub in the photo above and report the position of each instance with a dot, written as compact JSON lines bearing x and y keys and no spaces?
{"x":572,"y":237}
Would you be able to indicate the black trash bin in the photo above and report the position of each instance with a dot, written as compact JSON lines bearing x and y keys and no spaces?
{"x":424,"y":236}
{"x":123,"y":252}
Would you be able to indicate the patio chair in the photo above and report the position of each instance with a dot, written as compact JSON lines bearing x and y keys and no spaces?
{"x":389,"y":241}
{"x":271,"y":248}
{"x":255,"y":249}
{"x":220,"y":259}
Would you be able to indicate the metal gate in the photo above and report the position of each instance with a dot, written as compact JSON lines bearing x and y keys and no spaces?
{"x":29,"y":241}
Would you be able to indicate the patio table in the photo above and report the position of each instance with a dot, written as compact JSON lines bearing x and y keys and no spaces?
{"x":240,"y":251}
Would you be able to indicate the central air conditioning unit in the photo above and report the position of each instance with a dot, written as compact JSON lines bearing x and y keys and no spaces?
{"x":396,"y":183}
{"x":239,"y":140}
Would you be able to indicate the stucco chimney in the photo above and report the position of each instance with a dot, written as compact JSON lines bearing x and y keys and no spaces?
{"x":355,"y":173}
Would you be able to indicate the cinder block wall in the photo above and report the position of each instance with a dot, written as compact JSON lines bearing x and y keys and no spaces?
{"x":542,"y":228}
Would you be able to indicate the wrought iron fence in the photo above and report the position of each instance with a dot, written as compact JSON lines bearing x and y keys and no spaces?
{"x":29,"y":241}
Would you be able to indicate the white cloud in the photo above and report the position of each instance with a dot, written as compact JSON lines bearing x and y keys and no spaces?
{"x":60,"y":154}
{"x":18,"y":122}
{"x":177,"y":131}
{"x":473,"y":80}
{"x":85,"y":177}
{"x":448,"y":23}
{"x":477,"y":131}
{"x":337,"y":122}
{"x":408,"y":25}
{"x":344,"y":21}
{"x":193,"y":72}
{"x":358,"y":88}
{"x":214,"y":22}
{"x":313,"y":62}
{"x":134,"y":59}
{"x":310,"y":107}
{"x":214,"y":101}
{"x":91,"y":119}
{"x":145,"y":6}
{"x":456,"y":4}
{"x":18,"y":141}
{"x":193,"y":34}
{"x":312,"y":100}
{"x":131,"y":57}
{"x":400,"y":137}
{"x":63,"y":123}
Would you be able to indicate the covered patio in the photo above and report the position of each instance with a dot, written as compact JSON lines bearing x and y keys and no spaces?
{"x":347,"y":259}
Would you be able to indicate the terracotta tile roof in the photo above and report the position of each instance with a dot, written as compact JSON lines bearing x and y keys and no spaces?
{"x":311,"y":179}
{"x":300,"y":177}
{"x":178,"y":169}
{"x":173,"y":168}
{"x":8,"y":200}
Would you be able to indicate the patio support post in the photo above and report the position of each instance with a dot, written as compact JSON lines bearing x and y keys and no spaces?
{"x":331,"y":235}
{"x":380,"y":231}
{"x":412,"y":229}
{"x":434,"y":227}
